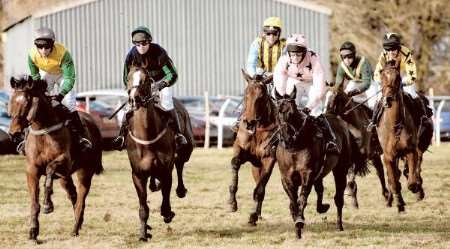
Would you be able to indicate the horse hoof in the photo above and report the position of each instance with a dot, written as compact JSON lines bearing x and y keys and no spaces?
{"x":386,"y":195}
{"x":299,"y":224}
{"x":414,"y":187}
{"x":355,"y":204}
{"x":154,"y":185}
{"x":33,"y":234}
{"x":339,"y":227}
{"x":75,"y":234}
{"x":181,"y":192}
{"x":149,"y":228}
{"x":401,"y":208}
{"x":168,"y":218}
{"x":420,"y":195}
{"x":233,"y":206}
{"x":48,"y":209}
{"x":144,"y":239}
{"x":253,"y":219}
{"x":321,"y":209}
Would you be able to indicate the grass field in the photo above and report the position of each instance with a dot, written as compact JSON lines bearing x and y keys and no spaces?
{"x":202,"y":219}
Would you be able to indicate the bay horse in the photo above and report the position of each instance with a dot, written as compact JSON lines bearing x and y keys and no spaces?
{"x":303,"y":162}
{"x":398,"y":136}
{"x":150,"y":145}
{"x":50,"y":151}
{"x":357,"y":117}
{"x":253,"y":142}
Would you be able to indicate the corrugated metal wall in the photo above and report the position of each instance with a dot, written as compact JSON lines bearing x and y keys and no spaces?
{"x":208,"y":40}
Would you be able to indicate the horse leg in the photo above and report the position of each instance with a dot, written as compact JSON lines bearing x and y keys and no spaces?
{"x":181,"y":189}
{"x":292,"y":191}
{"x":340,"y":179}
{"x":236,"y":163}
{"x":84,"y":185}
{"x":140,"y":183}
{"x":154,"y":185}
{"x":166,"y":209}
{"x":413,"y":181}
{"x":48,"y":191}
{"x":307,"y":183}
{"x":420,"y":194}
{"x":33,"y":189}
{"x":321,"y":208}
{"x":376,"y":160}
{"x":257,"y":174}
{"x":352,"y":187}
{"x":67,"y":184}
{"x":394,"y":184}
{"x":260,"y":190}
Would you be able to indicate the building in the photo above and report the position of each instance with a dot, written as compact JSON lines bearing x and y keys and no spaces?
{"x":208,"y":40}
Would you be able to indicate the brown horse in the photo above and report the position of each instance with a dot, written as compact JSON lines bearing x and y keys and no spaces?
{"x":252,"y":143}
{"x":303,"y":162}
{"x":50,"y":150}
{"x":357,"y":117}
{"x":398,"y":136}
{"x":151,"y":145}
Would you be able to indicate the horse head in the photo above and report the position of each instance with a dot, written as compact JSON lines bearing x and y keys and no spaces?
{"x":390,"y":82}
{"x":25,"y":100}
{"x":256,"y":100}
{"x":336,"y":100}
{"x":139,"y":88}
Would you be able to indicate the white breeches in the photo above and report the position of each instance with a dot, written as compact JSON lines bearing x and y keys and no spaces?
{"x":166,"y":98}
{"x":369,"y":93}
{"x":54,"y":83}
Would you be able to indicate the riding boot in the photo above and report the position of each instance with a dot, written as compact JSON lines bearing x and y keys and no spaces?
{"x":331,"y":146}
{"x":373,"y":120}
{"x":79,"y":132}
{"x":118,"y":142}
{"x":425,"y":120}
{"x":180,"y":140}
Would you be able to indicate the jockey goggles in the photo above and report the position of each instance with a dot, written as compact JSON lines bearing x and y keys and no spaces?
{"x":141,"y":43}
{"x":43,"y":45}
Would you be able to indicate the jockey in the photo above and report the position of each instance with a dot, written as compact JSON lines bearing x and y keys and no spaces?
{"x":356,"y":72}
{"x":300,"y":70}
{"x":264,"y":52}
{"x":51,"y":61}
{"x":155,"y":60}
{"x":393,"y":50}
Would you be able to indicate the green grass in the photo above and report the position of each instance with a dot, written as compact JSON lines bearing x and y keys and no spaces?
{"x":202,"y":219}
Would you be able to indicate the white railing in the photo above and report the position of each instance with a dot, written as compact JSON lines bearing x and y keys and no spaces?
{"x":437,"y":116}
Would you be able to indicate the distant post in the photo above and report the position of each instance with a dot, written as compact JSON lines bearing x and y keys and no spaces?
{"x":207,"y":126}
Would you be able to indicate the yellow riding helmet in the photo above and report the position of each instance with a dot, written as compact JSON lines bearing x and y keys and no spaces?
{"x":273,"y":21}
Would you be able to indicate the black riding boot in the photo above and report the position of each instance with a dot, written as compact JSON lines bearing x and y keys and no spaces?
{"x":79,"y":132}
{"x":425,"y":120}
{"x":180,"y":140}
{"x":331,"y":146}
{"x":373,"y":120}
{"x":118,"y":142}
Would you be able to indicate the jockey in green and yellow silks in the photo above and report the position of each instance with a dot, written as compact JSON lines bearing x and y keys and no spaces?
{"x":266,"y":50}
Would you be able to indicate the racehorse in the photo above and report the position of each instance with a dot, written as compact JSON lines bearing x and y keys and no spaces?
{"x":253,"y":141}
{"x":151,"y":146}
{"x":50,"y":151}
{"x":357,"y":118}
{"x":303,"y":162}
{"x":398,"y":136}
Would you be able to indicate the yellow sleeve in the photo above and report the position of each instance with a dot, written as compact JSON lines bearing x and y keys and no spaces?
{"x":410,"y":70}
{"x":378,"y":68}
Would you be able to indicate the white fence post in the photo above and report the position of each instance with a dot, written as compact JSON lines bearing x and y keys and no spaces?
{"x":220,"y":123}
{"x":207,"y":123}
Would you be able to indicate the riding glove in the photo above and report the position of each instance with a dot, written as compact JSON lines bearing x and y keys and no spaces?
{"x":161,"y":85}
{"x":58,"y":97}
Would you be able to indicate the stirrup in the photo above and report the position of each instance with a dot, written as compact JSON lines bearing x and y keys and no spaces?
{"x":371,"y":126}
{"x":332,"y":147}
{"x":118,"y":143}
{"x":180,"y":139}
{"x":85,"y":144}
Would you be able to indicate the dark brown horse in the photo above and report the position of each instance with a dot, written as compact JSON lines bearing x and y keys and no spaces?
{"x":357,"y":118}
{"x":252,"y":142}
{"x":151,"y":145}
{"x":50,"y":150}
{"x":398,"y":135}
{"x":302,"y":160}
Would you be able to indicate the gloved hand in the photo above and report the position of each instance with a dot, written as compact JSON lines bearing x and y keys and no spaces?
{"x":353,"y":92}
{"x":161,"y":85}
{"x":58,"y":97}
{"x":306,"y":110}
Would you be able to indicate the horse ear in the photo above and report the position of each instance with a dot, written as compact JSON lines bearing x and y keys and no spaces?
{"x":33,"y":110}
{"x":13,"y":82}
{"x":277,"y":95}
{"x":268,"y":79}
{"x":247,"y":77}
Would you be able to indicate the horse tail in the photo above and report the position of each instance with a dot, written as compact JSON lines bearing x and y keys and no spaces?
{"x":360,"y":161}
{"x":96,"y":139}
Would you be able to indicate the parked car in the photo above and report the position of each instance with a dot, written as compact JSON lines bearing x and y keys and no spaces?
{"x":444,"y":120}
{"x":195,"y":105}
{"x":101,"y":104}
{"x":6,"y":145}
